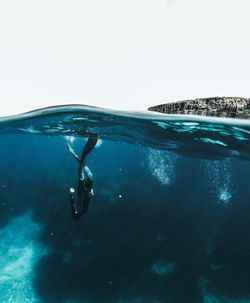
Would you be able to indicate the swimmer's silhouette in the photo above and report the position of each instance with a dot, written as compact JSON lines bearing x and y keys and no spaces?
{"x":84,"y":193}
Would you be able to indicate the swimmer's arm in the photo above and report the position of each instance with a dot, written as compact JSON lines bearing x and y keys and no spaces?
{"x":71,"y":150}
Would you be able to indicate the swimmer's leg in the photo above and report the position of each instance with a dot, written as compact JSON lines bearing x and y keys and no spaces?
{"x":85,"y":207}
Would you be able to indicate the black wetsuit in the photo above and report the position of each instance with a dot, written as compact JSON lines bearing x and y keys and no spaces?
{"x":85,"y":182}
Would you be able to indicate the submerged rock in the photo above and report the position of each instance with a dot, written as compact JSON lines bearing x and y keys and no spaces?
{"x":231,"y":107}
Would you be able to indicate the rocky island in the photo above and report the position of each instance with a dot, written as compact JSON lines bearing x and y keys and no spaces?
{"x":231,"y":107}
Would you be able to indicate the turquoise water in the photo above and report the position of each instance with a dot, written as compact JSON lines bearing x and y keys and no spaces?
{"x":169,"y":220}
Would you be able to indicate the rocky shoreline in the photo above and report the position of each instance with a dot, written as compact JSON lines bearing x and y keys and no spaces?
{"x":231,"y":107}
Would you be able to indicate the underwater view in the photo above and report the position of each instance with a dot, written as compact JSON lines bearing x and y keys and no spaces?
{"x":156,"y":210}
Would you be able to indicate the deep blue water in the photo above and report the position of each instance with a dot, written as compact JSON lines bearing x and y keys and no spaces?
{"x":169,"y":221}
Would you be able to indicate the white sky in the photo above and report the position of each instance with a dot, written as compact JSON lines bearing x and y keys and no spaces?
{"x":121,"y":54}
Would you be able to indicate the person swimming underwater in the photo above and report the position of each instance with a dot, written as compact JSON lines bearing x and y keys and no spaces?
{"x":80,"y":203}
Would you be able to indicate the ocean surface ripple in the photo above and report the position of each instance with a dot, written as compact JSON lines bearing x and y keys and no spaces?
{"x":205,"y":137}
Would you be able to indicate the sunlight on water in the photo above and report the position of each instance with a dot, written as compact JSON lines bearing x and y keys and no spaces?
{"x":162,"y":165}
{"x":220,"y":179}
{"x":19,"y":253}
{"x":207,"y":140}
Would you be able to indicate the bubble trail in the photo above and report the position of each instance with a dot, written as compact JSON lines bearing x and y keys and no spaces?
{"x":220,"y":179}
{"x":162,"y":165}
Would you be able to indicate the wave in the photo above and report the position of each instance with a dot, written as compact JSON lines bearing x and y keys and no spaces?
{"x":195,"y":136}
